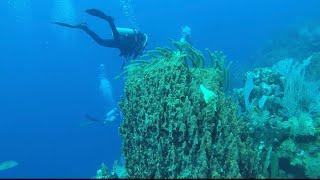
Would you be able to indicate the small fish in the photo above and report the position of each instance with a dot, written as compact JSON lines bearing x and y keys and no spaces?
{"x":7,"y":165}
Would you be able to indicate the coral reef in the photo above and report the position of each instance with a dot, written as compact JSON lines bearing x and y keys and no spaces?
{"x":284,"y":117}
{"x":178,"y":123}
{"x":313,"y":70}
{"x":118,"y":171}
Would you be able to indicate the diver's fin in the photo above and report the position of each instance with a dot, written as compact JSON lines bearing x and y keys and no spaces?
{"x":91,"y":118}
{"x":98,"y":13}
{"x":68,"y":25}
{"x":86,"y":123}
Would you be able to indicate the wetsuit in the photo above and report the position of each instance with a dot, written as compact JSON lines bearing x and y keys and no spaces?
{"x":130,"y":42}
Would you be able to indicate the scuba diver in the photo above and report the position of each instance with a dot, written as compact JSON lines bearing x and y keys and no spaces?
{"x":130,"y":42}
{"x":186,"y":35}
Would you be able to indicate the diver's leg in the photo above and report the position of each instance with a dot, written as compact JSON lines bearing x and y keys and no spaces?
{"x":115,"y":32}
{"x":107,"y":43}
{"x":97,"y":13}
{"x":103,"y":42}
{"x":100,"y":14}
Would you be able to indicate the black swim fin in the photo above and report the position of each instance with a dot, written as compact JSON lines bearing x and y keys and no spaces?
{"x":98,"y":13}
{"x":91,"y":118}
{"x":78,"y":26}
{"x":67,"y":25}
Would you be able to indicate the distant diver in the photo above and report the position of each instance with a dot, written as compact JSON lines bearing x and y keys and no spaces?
{"x":130,"y":42}
{"x":186,"y":35}
{"x":105,"y":85}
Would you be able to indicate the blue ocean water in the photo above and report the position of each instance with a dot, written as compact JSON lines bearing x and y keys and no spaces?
{"x":49,"y":75}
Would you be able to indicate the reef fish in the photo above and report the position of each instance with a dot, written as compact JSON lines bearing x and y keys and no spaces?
{"x":7,"y":165}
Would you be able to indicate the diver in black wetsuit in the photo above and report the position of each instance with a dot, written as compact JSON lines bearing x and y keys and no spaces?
{"x":130,"y":42}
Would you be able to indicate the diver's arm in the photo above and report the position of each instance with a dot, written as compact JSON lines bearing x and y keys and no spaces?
{"x":136,"y":53}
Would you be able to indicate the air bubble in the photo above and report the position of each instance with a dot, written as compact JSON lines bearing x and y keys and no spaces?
{"x":128,"y":11}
